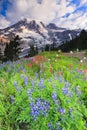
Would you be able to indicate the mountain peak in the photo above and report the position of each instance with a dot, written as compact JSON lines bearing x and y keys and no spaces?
{"x":23,"y":19}
{"x":34,"y":29}
{"x":55,"y":27}
{"x":52,"y":26}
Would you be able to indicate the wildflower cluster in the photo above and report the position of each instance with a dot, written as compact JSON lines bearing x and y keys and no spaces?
{"x":55,"y":95}
{"x":41,"y":83}
{"x":40,"y":106}
{"x":25,"y":80}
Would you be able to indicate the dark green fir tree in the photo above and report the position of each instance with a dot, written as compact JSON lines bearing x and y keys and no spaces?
{"x":1,"y":55}
{"x":12,"y":50}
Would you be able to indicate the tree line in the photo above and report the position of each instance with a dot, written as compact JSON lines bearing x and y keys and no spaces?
{"x":79,"y":42}
{"x":12,"y":49}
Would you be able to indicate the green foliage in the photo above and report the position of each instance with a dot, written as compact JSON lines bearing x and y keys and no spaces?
{"x":11,"y":52}
{"x":79,"y":42}
{"x":51,"y":96}
{"x":33,"y":50}
{"x":47,"y":48}
{"x":1,"y":55}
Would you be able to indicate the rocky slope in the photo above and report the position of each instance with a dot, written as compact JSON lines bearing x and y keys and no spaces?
{"x":37,"y":33}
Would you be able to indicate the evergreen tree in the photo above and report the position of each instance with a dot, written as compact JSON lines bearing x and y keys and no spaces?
{"x":36,"y":50}
{"x":1,"y":55}
{"x":12,"y":49}
{"x":47,"y":47}
{"x":32,"y":50}
{"x":79,"y":42}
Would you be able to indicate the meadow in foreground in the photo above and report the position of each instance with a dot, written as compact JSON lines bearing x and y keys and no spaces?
{"x":46,"y":92}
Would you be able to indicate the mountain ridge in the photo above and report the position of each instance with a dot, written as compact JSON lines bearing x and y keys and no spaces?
{"x":38,"y":33}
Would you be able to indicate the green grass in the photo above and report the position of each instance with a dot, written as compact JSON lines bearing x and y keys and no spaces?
{"x":46,"y":93}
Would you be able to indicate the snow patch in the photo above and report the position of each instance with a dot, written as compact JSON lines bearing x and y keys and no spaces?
{"x":11,"y":29}
{"x":70,"y":36}
{"x":53,"y":30}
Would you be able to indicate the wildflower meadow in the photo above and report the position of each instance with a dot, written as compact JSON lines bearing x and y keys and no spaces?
{"x":44,"y":92}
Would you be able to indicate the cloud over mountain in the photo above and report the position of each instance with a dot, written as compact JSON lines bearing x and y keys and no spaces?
{"x":65,"y":13}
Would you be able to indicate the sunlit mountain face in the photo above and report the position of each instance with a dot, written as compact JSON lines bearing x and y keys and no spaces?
{"x":37,"y":33}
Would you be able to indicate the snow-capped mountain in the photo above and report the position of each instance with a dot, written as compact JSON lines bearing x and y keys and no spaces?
{"x":34,"y":32}
{"x":28,"y":31}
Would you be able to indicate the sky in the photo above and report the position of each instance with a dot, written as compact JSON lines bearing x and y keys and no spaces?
{"x":70,"y":14}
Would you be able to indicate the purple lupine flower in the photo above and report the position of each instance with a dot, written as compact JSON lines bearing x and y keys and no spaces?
{"x":39,"y":107}
{"x":11,"y":99}
{"x":86,"y":124}
{"x":26,"y":80}
{"x":66,"y":84}
{"x":31,"y":104}
{"x":70,"y":112}
{"x":18,"y":88}
{"x":21,"y":67}
{"x":62,"y":111}
{"x":65,"y":90}
{"x":41,"y":83}
{"x":71,"y":109}
{"x":57,"y":102}
{"x":15,"y":83}
{"x":59,"y":128}
{"x":54,"y":95}
{"x":55,"y":78}
{"x":61,"y":79}
{"x":50,"y":126}
{"x":29,"y":91}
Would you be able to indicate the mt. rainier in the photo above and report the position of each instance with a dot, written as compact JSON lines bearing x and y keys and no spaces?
{"x":34,"y":32}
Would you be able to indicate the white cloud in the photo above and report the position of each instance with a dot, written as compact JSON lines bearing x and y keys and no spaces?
{"x":77,"y":20}
{"x":83,"y":2}
{"x":46,"y":11}
{"x":4,"y":22}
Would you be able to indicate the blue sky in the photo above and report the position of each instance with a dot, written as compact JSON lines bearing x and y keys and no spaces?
{"x":4,"y":7}
{"x":65,"y":13}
